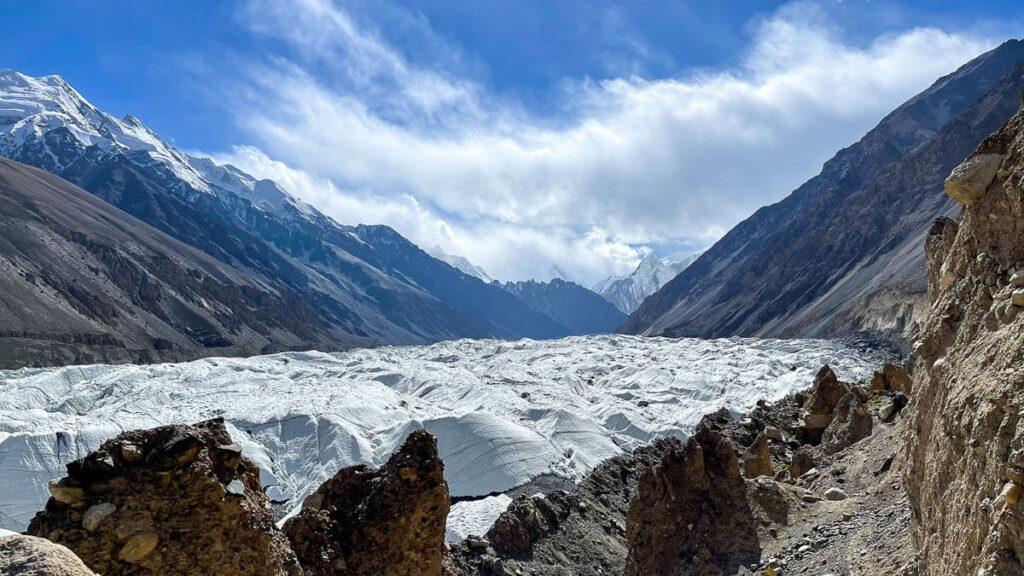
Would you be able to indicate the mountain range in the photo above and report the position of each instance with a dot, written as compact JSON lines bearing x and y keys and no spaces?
{"x":581,"y":311}
{"x":350,"y":285}
{"x":844,"y":253}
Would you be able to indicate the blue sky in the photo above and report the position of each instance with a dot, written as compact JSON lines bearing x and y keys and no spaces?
{"x":522,"y":134}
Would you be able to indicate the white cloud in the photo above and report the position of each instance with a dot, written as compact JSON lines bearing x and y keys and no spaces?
{"x":638,"y":162}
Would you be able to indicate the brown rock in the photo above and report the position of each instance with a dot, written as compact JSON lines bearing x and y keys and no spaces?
{"x":30,"y":556}
{"x":892,"y":378}
{"x":155,"y":503}
{"x":821,"y":403}
{"x":802,"y":462}
{"x":691,"y":515}
{"x":851,"y":424}
{"x":758,"y":460}
{"x":384,"y":522}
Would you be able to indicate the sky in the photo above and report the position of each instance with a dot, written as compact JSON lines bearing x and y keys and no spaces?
{"x":526,"y":135}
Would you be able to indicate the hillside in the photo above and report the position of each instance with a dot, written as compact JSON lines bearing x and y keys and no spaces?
{"x":843,"y":253}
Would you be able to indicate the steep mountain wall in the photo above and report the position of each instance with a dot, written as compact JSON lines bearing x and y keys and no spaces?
{"x":967,"y":449}
{"x":843,"y":253}
{"x":579,"y":310}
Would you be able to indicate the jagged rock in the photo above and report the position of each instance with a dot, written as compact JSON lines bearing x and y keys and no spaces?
{"x":892,"y":378}
{"x":970,"y":179}
{"x":803,"y":461}
{"x":384,"y":522}
{"x":527,"y":520}
{"x":821,"y":403}
{"x":154,"y":502}
{"x":769,"y":500}
{"x":968,"y":410}
{"x":30,"y":556}
{"x":851,"y":424}
{"x":758,"y":461}
{"x":690,"y":515}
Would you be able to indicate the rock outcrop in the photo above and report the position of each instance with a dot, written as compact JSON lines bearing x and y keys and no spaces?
{"x":851,"y":423}
{"x":690,"y":515}
{"x":30,"y":556}
{"x":966,"y":453}
{"x":171,"y":500}
{"x":384,"y":522}
{"x":822,"y":400}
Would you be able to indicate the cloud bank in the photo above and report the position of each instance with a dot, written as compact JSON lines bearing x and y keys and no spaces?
{"x":344,"y":120}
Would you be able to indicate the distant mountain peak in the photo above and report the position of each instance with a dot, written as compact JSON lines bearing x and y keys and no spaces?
{"x":627,"y":291}
{"x":460,"y":263}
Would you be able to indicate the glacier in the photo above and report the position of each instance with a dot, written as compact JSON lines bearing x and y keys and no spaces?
{"x":504,"y":412}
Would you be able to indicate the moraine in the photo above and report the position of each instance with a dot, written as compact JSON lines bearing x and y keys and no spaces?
{"x":504,"y":412}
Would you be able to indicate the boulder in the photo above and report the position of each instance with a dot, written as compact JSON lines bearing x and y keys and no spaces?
{"x":969,"y":181}
{"x":821,"y":402}
{"x":157,"y":502}
{"x":670,"y":528}
{"x":851,"y":424}
{"x":527,"y":520}
{"x":30,"y":556}
{"x":758,"y":460}
{"x":384,"y":522}
{"x":892,"y":378}
{"x":803,"y":461}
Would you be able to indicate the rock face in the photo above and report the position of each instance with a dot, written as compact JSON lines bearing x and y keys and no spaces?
{"x":171,"y":500}
{"x":31,"y":556}
{"x":691,"y":515}
{"x":966,"y":453}
{"x":385,"y":522}
{"x":843,"y":253}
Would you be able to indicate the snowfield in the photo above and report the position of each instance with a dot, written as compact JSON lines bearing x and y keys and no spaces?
{"x":503,"y":412}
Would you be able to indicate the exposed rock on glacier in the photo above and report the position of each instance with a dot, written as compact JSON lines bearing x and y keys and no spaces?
{"x":171,"y":500}
{"x":386,"y":522}
{"x":503,"y":412}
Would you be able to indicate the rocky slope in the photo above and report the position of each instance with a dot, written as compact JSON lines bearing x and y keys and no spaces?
{"x":579,"y":310}
{"x":844,"y":252}
{"x":966,"y":454}
{"x":84,"y":282}
{"x":364,"y":283}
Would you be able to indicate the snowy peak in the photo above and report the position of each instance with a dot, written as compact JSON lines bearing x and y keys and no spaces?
{"x":460,"y":263}
{"x":30,"y":107}
{"x":628,"y":291}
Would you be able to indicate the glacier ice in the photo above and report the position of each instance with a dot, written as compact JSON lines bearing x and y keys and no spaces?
{"x":504,"y":412}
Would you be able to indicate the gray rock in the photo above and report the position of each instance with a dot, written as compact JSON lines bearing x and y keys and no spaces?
{"x":971,"y":178}
{"x":96,"y":514}
{"x":835,"y":494}
{"x":31,"y":556}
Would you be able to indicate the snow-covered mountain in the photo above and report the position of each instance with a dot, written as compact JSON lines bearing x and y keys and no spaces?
{"x":460,"y":263}
{"x":366,"y":283}
{"x":503,"y":412}
{"x":627,"y":291}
